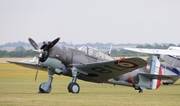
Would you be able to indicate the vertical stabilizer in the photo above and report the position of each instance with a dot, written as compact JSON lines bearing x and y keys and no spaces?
{"x":156,"y":69}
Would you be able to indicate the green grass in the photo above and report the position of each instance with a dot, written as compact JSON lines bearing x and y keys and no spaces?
{"x":18,"y":88}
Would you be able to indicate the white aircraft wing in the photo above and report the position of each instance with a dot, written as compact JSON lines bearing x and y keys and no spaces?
{"x":155,"y":51}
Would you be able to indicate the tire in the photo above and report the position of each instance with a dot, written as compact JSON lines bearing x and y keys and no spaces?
{"x":73,"y":87}
{"x":42,"y":88}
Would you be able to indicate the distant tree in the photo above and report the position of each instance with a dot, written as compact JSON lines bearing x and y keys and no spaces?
{"x":165,"y":46}
{"x":149,"y":46}
{"x":17,"y":53}
{"x":30,"y":53}
{"x":145,"y":46}
{"x":171,"y":44}
{"x":19,"y":48}
{"x":155,"y":46}
{"x":114,"y":52}
{"x":140,"y":46}
{"x":3,"y":53}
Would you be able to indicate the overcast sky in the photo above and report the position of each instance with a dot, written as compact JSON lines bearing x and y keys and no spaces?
{"x":84,"y":21}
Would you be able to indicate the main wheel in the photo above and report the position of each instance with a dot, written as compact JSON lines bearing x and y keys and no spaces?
{"x":73,"y":87}
{"x":45,"y":88}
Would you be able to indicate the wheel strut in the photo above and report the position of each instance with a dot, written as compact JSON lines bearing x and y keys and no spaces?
{"x":73,"y":87}
{"x":45,"y":87}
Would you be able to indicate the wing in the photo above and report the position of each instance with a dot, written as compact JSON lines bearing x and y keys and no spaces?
{"x":155,"y":51}
{"x":27,"y":65}
{"x":102,"y":71}
{"x":99,"y":71}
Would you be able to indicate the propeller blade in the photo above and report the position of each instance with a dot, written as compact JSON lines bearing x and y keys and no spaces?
{"x":42,"y":50}
{"x":36,"y":74}
{"x":33,"y":43}
{"x":37,"y":71}
{"x":51,"y":44}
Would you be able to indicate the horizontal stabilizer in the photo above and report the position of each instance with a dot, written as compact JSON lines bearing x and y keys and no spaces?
{"x":162,"y":77}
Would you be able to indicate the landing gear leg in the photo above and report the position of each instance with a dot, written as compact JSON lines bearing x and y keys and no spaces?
{"x":45,"y":87}
{"x":73,"y":87}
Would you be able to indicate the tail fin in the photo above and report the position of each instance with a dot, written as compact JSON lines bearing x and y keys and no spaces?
{"x":156,"y":69}
{"x":152,"y":78}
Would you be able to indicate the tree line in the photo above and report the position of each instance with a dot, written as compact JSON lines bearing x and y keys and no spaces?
{"x":22,"y":52}
{"x":18,"y":52}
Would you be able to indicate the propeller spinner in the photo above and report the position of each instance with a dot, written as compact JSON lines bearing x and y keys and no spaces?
{"x":43,"y":51}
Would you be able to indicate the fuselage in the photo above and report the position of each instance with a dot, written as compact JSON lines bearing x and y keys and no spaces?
{"x":86,"y":55}
{"x":77,"y":56}
{"x":173,"y":61}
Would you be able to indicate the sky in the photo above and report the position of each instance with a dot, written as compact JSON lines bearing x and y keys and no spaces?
{"x":90,"y":21}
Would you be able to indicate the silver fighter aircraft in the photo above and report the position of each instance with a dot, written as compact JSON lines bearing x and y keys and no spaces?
{"x":89,"y":64}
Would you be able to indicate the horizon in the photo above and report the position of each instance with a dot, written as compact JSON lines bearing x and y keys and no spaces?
{"x":91,"y":43}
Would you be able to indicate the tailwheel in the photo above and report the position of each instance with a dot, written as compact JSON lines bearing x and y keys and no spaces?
{"x":45,"y":87}
{"x":73,"y":87}
{"x":140,"y":91}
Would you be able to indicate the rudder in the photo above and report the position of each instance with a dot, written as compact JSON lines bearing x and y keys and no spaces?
{"x":155,"y":69}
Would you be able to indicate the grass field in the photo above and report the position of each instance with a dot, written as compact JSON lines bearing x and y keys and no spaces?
{"x":18,"y":88}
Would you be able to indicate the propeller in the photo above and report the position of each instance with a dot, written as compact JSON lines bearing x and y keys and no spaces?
{"x":43,"y":51}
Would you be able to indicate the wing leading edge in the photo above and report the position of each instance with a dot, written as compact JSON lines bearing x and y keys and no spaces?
{"x":27,"y":65}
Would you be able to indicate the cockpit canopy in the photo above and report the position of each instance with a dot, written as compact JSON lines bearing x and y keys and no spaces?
{"x":95,"y":52}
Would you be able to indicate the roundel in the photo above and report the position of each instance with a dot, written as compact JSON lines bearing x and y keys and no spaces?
{"x":126,"y":64}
